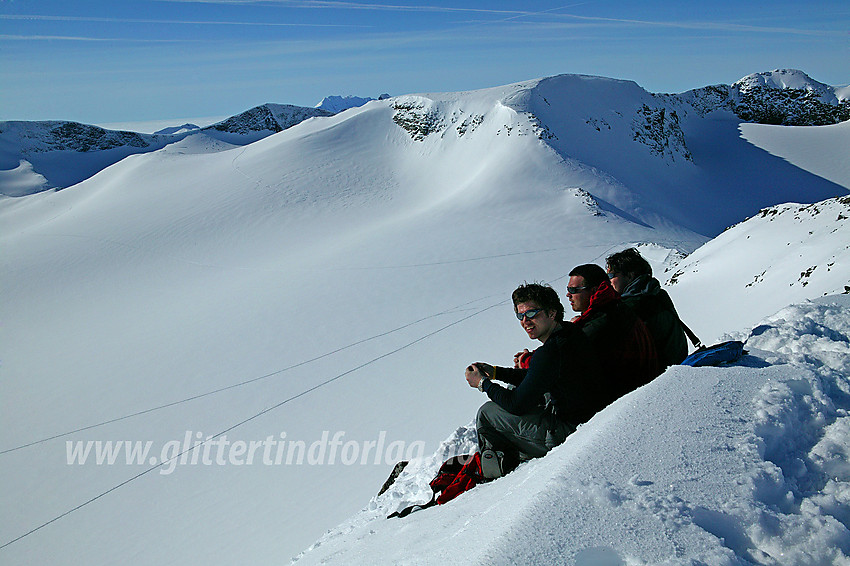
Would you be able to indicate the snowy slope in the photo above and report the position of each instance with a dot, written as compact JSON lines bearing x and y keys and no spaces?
{"x":817,"y":150}
{"x":786,"y":253}
{"x":746,"y":464}
{"x":330,"y":280}
{"x":741,"y":465}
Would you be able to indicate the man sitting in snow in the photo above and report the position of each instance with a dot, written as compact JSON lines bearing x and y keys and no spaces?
{"x":631,"y":276}
{"x":619,"y":338}
{"x":561,"y":388}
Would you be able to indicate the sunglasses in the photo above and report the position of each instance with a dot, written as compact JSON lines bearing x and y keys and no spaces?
{"x":575,"y":290}
{"x":613,"y":274}
{"x":529,"y":314}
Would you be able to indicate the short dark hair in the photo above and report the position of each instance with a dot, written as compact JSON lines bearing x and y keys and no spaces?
{"x":593,"y":274}
{"x":543,"y":295}
{"x":629,"y":262}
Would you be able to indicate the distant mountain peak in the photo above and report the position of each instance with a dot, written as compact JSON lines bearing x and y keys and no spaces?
{"x":177,"y":130}
{"x":337,"y":104}
{"x":262,"y":120}
{"x":782,"y":79}
{"x":786,"y":97}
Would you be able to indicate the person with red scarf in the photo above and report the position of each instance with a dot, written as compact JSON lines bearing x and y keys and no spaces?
{"x":620,"y":339}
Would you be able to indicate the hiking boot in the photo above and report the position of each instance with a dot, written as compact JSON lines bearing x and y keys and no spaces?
{"x":491,"y":464}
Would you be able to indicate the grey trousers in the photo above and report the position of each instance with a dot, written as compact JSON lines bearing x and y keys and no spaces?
{"x":526,"y":436}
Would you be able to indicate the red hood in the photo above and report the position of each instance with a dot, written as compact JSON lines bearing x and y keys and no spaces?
{"x":605,"y":294}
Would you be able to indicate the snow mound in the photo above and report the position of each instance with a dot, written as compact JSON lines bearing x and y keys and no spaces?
{"x":197,"y":144}
{"x":742,"y":464}
{"x":22,"y":180}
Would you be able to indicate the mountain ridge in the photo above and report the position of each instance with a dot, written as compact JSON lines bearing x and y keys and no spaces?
{"x":34,"y":148}
{"x":28,"y":160}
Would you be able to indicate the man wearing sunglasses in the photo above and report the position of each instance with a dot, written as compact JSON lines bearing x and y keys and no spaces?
{"x":561,"y":388}
{"x":619,"y":338}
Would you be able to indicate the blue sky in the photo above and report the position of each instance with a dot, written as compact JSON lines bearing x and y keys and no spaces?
{"x":102,"y":61}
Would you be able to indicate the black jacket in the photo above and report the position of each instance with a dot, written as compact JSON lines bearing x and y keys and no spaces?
{"x":566,"y":368}
{"x":654,"y":307}
{"x":621,"y":340}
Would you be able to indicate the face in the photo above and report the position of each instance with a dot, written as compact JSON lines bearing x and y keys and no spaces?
{"x":618,"y":281}
{"x":579,"y":301}
{"x":539,"y":327}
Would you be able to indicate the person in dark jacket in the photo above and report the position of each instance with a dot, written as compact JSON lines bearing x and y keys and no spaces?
{"x":619,"y":338}
{"x":631,"y":276}
{"x":561,"y":388}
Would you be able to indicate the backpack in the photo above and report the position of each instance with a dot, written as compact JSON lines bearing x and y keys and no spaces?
{"x":456,"y":475}
{"x":719,"y":354}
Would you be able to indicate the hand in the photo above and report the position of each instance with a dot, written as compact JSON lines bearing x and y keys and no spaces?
{"x":476,"y":372}
{"x":519,"y":357}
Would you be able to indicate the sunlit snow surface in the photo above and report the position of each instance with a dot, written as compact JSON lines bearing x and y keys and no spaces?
{"x":735,"y":465}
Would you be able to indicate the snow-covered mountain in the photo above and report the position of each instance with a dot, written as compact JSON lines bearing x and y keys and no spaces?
{"x":337,"y":104}
{"x":278,"y":322}
{"x":262,"y":121}
{"x":781,"y":97}
{"x":670,"y":156}
{"x":185,"y":128}
{"x":645,"y":143}
{"x":36,"y":156}
{"x":788,"y":97}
